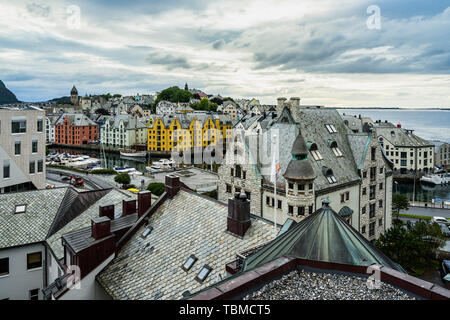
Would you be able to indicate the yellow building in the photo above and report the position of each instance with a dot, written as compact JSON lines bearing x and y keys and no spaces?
{"x":187,"y":130}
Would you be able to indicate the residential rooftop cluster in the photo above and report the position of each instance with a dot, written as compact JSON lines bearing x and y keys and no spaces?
{"x":329,"y":202}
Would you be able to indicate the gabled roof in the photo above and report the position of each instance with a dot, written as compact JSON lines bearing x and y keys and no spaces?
{"x":80,"y":211}
{"x":76,"y":119}
{"x":322,"y":236}
{"x":400,"y":137}
{"x":188,"y":224}
{"x":32,"y":225}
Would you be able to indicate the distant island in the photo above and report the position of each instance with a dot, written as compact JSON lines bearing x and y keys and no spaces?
{"x":6,"y":96}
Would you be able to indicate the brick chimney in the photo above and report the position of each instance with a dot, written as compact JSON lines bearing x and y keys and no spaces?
{"x":100,"y":227}
{"x":173,"y":185}
{"x":280,"y":105}
{"x":295,"y":102}
{"x":144,"y":202}
{"x":238,"y":220}
{"x":128,"y":207}
{"x":106,"y":211}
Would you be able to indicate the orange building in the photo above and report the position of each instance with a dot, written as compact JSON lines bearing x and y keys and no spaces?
{"x":75,"y":129}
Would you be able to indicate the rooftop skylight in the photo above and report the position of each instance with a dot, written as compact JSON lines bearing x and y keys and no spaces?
{"x":204,"y":272}
{"x":20,"y":208}
{"x":189,"y":262}
{"x":147,"y":231}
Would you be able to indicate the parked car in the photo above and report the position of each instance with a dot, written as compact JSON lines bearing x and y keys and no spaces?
{"x":441,"y":220}
{"x":445,"y":229}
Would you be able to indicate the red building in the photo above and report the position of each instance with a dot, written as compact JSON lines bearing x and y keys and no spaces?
{"x":75,"y":129}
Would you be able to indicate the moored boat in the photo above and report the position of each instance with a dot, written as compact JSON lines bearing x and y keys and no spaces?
{"x":129,"y":153}
{"x":437,"y":179}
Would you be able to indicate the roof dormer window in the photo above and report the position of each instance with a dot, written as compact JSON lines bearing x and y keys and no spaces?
{"x":315,"y":152}
{"x":331,"y":128}
{"x":329,"y":175}
{"x":335,"y":149}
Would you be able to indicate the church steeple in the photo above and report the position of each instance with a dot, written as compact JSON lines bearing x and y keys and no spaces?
{"x":186,"y":87}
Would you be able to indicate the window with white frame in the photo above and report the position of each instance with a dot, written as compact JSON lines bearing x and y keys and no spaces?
{"x":335,"y":149}
{"x":315,"y":152}
{"x":331,"y":128}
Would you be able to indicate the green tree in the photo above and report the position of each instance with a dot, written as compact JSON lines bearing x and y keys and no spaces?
{"x":122,"y":178}
{"x":174,"y":94}
{"x":205,"y":105}
{"x":156,"y":188}
{"x":399,"y":202}
{"x":211,"y":194}
{"x":229,"y":99}
{"x":413,"y":247}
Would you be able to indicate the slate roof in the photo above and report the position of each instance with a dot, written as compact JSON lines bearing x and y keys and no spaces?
{"x":312,"y":123}
{"x":322,"y":236}
{"x":354,"y":123}
{"x":77,"y":119}
{"x":401,"y":138}
{"x":129,"y":122}
{"x":151,"y":268}
{"x":299,"y":170}
{"x":359,"y":143}
{"x":299,"y":146}
{"x":84,"y":219}
{"x":33,"y":225}
{"x":82,"y":238}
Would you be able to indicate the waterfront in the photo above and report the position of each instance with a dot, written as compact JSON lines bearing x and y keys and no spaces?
{"x":423,"y":192}
{"x":112,"y":159}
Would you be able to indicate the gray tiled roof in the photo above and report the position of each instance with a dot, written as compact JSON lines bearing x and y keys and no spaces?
{"x":84,"y":220}
{"x":76,"y":119}
{"x":33,"y":225}
{"x":151,"y":268}
{"x":359,"y":143}
{"x":311,"y":123}
{"x":400,"y":138}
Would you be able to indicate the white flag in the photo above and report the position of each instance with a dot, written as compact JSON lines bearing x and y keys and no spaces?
{"x":275,"y":169}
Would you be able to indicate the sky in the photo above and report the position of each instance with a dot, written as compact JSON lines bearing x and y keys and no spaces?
{"x":358,"y":53}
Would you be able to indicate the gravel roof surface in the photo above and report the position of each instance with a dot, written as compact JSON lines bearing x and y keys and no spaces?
{"x":305,"y":285}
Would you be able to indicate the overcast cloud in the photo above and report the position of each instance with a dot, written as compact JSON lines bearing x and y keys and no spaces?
{"x":321,"y":51}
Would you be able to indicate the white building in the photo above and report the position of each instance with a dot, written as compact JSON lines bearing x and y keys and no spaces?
{"x":442,"y":155}
{"x":22,"y":149}
{"x":123,"y":131}
{"x":50,"y":121}
{"x":165,"y":108}
{"x":408,"y":152}
{"x":32,"y":225}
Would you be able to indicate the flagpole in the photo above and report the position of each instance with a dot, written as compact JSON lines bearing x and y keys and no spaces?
{"x":275,"y":209}
{"x":275,"y":195}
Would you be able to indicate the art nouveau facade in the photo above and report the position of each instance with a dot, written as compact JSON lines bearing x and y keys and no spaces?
{"x":320,"y":159}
